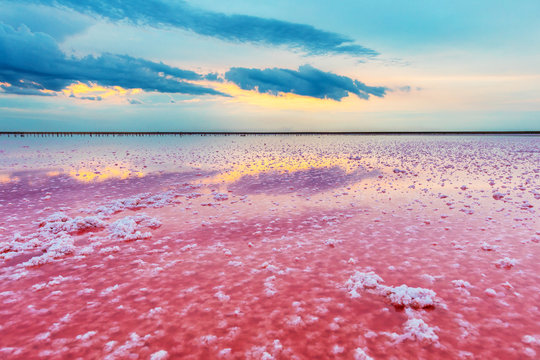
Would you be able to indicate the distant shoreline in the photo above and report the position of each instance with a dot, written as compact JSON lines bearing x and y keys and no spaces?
{"x":246,"y":133}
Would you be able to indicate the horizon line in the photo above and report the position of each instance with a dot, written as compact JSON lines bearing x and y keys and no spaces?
{"x":145,"y":133}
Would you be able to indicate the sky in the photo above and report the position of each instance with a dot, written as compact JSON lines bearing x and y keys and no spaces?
{"x":246,"y":65}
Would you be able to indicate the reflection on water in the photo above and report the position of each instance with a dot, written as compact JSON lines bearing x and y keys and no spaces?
{"x":266,"y":247}
{"x":102,"y":173}
{"x":280,"y":165}
{"x":310,"y":180}
{"x":7,"y":178}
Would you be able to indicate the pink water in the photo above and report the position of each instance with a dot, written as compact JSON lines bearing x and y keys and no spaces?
{"x":267,"y":247}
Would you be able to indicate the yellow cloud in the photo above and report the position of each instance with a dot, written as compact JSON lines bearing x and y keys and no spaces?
{"x":284,"y":101}
{"x":91,"y":89}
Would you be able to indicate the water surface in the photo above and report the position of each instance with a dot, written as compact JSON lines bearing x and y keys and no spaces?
{"x":262,"y":247}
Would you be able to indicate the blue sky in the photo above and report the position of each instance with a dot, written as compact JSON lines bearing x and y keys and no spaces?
{"x":164,"y":65}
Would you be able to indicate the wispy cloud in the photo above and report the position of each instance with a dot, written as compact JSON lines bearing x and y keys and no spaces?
{"x":32,"y":63}
{"x":306,"y":81}
{"x":236,"y":28}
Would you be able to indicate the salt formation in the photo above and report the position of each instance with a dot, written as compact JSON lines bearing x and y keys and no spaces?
{"x":498,"y":195}
{"x":56,"y":247}
{"x":531,"y":340}
{"x":406,"y":296}
{"x":54,"y":281}
{"x":221,"y":197}
{"x":362,"y":281}
{"x":141,"y":201}
{"x":331,"y":242}
{"x":60,"y":222}
{"x":462,"y":284}
{"x":85,"y":337}
{"x":417,"y":329}
{"x":360,"y":354}
{"x":402,"y":295}
{"x":55,"y":236}
{"x":160,"y":355}
{"x":488,"y":247}
{"x":130,"y":228}
{"x":269,"y":286}
{"x":506,"y":263}
{"x":126,"y":350}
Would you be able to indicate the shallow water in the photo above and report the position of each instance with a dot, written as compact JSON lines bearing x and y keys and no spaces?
{"x":270,"y":247}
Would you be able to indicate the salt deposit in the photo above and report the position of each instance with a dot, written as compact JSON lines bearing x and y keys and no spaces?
{"x":130,"y":228}
{"x":274,"y":247}
{"x":402,"y":295}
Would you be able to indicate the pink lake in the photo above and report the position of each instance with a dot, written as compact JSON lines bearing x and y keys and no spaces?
{"x":270,"y":247}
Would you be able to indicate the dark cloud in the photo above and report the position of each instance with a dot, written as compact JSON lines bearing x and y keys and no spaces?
{"x":33,"y":61}
{"x":213,"y":77}
{"x":236,"y":28}
{"x":59,"y":23}
{"x":24,"y":88}
{"x":306,"y":81}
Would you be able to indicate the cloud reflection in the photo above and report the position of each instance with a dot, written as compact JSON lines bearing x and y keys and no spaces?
{"x":311,"y":180}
